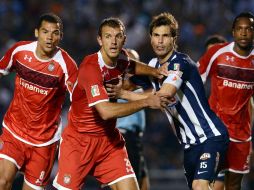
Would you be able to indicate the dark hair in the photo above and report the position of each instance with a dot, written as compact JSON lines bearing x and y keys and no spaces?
{"x":244,"y":15}
{"x":165,"y":19}
{"x":214,"y":39}
{"x":52,"y":18}
{"x":111,"y":22}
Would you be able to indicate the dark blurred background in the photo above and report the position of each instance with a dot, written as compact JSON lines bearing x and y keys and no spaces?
{"x":197,"y":19}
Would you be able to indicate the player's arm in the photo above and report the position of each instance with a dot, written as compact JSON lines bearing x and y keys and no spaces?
{"x":171,"y":84}
{"x":205,"y":66}
{"x":109,"y":110}
{"x":140,"y":68}
{"x":7,"y":60}
{"x":168,"y":89}
{"x":72,"y":72}
{"x":124,"y":90}
{"x":133,"y":96}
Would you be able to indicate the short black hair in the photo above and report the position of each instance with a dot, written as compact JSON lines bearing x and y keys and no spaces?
{"x":243,"y":15}
{"x":111,"y":22}
{"x":52,"y":18}
{"x":214,"y":39}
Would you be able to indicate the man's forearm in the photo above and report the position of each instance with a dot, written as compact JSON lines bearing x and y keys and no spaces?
{"x":132,"y":96}
{"x":109,"y":110}
{"x":143,"y":69}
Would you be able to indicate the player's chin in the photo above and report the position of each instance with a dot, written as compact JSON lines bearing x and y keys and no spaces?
{"x":114,"y":54}
{"x":49,"y":49}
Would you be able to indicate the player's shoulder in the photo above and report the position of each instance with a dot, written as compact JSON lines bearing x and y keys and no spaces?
{"x":181,"y":61}
{"x":219,"y":48}
{"x":90,"y":61}
{"x":152,"y":62}
{"x":21,"y":44}
{"x":181,"y":58}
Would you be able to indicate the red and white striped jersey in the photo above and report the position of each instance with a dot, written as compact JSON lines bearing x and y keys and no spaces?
{"x":232,"y":85}
{"x":90,"y":90}
{"x":40,"y":85}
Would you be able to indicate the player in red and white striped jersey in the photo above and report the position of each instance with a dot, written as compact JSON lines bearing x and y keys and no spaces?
{"x":231,"y":69}
{"x":32,"y":123}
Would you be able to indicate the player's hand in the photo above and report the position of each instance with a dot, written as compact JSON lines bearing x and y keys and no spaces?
{"x":162,"y":71}
{"x":158,"y":101}
{"x":115,"y":91}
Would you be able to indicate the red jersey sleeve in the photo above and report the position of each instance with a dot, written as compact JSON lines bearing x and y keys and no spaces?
{"x":90,"y":79}
{"x":72,"y":72}
{"x":205,"y":64}
{"x":7,"y":60}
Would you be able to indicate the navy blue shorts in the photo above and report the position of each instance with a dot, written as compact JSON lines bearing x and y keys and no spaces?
{"x":205,"y":160}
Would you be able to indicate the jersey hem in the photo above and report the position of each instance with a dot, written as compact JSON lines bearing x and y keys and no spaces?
{"x":54,"y":139}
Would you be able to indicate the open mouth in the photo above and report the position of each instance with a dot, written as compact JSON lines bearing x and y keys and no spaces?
{"x":113,"y":50}
{"x":49,"y":45}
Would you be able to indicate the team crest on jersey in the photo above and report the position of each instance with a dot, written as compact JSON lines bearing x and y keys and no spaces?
{"x":205,"y":156}
{"x":67,"y":179}
{"x":51,"y":66}
{"x":176,"y":67}
{"x":95,"y":90}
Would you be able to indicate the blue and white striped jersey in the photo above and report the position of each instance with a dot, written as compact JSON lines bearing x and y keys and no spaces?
{"x":190,"y":116}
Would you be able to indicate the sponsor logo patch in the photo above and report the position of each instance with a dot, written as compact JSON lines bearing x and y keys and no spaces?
{"x":205,"y":156}
{"x":95,"y":90}
{"x":67,"y":179}
{"x":28,"y":58}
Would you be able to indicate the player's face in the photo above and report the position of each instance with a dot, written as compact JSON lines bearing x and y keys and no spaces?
{"x":48,"y":36}
{"x":111,"y":42}
{"x":162,"y":42}
{"x":243,"y":34}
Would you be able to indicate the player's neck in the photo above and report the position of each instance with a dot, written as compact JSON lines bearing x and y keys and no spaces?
{"x":43,"y":55}
{"x":109,"y":61}
{"x":164,"y":59}
{"x":241,"y":51}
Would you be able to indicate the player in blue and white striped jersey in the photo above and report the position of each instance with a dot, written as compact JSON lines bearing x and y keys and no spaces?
{"x":197,"y":127}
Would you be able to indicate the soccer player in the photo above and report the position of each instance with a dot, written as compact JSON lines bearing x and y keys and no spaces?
{"x":32,"y":123}
{"x":91,"y":144}
{"x":197,"y":127}
{"x":231,"y":69}
{"x":132,"y":128}
{"x":203,"y":135}
{"x":214,"y":39}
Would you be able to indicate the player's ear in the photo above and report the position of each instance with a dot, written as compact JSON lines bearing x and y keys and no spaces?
{"x":36,"y":33}
{"x":233,"y":33}
{"x":99,"y":40}
{"x":124,"y":39}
